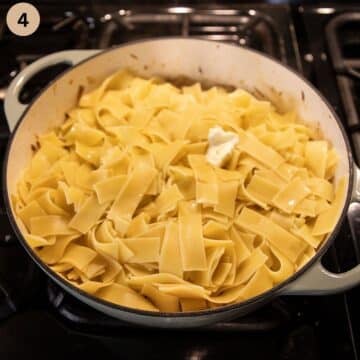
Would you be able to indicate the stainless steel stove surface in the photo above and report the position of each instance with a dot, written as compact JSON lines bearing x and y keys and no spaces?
{"x":38,"y":318}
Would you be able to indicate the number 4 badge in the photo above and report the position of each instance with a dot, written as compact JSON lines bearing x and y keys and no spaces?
{"x":23,"y":19}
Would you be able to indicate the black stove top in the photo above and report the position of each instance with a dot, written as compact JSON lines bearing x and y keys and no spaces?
{"x":38,"y":319}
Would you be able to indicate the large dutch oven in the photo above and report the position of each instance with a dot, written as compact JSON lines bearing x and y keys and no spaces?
{"x":208,"y":62}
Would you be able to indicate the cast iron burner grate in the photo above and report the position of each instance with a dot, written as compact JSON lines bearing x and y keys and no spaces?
{"x":263,"y":29}
{"x":343,"y":39}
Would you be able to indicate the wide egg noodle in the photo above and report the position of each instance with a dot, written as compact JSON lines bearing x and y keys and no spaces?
{"x":170,"y":256}
{"x":121,"y":202}
{"x":206,"y":180}
{"x":191,"y":241}
{"x":287,"y":199}
{"x":289,"y":244}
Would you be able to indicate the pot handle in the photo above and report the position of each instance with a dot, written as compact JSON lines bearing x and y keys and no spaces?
{"x":319,"y":281}
{"x":12,"y":106}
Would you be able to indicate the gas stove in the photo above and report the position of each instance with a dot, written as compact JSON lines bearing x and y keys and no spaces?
{"x":38,"y":318}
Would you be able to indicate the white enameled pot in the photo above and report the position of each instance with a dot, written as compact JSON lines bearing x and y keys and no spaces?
{"x":196,"y":59}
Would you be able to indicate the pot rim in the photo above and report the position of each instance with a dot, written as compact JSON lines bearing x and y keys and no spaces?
{"x":194,"y":314}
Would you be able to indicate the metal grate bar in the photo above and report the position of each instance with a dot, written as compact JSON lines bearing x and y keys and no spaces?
{"x":347,"y":72}
{"x":219,"y":37}
{"x":251,"y":28}
{"x":214,"y":29}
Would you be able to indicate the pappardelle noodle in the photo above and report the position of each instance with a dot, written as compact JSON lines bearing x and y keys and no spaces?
{"x":121,"y":201}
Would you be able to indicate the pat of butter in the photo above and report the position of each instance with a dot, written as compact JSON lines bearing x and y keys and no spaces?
{"x":221,"y":145}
